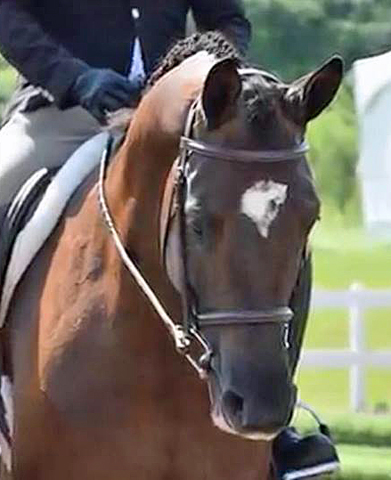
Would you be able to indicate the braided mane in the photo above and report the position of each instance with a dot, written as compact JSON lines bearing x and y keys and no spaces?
{"x":213,"y":43}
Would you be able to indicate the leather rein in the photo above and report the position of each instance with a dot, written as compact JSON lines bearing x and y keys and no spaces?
{"x":184,"y":334}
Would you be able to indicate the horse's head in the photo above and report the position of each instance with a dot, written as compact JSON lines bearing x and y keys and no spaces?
{"x":248,"y":206}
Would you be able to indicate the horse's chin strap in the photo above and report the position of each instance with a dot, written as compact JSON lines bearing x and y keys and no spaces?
{"x":181,"y":338}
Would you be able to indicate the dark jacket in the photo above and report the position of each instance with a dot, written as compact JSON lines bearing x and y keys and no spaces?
{"x":51,"y":42}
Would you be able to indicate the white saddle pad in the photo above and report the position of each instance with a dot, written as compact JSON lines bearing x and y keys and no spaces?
{"x":30,"y":240}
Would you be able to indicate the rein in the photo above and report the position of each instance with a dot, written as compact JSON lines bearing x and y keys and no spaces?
{"x":183,"y":334}
{"x":181,"y":339}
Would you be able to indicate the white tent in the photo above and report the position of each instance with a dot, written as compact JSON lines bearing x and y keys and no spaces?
{"x":372,"y":85}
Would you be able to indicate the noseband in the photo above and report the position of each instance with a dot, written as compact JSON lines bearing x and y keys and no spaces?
{"x":193,"y":321}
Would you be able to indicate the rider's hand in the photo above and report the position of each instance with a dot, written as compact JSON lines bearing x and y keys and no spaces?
{"x":101,"y":91}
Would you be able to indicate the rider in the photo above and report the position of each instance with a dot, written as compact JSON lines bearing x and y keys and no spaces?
{"x":79,"y":60}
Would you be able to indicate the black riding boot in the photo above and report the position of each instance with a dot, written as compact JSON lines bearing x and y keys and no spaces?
{"x":295,"y":456}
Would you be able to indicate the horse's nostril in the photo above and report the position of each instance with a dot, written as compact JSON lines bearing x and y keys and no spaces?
{"x":233,"y":406}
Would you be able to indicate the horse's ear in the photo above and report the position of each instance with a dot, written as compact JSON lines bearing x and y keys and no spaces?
{"x":316,"y":90}
{"x":222,"y":88}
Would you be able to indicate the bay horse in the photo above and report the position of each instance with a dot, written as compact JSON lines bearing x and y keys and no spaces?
{"x":99,"y":390}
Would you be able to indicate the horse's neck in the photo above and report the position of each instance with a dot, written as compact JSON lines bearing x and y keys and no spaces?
{"x":134,"y":188}
{"x":134,"y":184}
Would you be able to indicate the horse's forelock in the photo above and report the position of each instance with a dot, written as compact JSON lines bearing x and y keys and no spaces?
{"x":259,"y":95}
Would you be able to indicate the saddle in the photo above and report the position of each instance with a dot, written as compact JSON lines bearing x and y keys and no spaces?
{"x":19,"y":212}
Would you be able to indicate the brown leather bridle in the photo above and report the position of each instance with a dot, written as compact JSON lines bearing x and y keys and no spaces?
{"x":188,"y":147}
{"x":173,"y":211}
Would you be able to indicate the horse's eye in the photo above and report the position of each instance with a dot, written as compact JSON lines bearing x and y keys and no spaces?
{"x":273,"y":205}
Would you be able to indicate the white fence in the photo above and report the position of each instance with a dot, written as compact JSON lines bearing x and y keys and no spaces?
{"x":357,"y":356}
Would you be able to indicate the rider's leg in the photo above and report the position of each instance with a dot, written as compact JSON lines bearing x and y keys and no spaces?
{"x":299,"y":457}
{"x":44,"y":138}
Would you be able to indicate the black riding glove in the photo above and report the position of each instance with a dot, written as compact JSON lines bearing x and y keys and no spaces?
{"x":101,"y":91}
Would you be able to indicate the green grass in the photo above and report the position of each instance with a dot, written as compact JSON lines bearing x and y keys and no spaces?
{"x":363,"y":442}
{"x":378,"y":328}
{"x":324,"y":389}
{"x":344,"y":254}
{"x":7,"y":83}
{"x":329,"y":328}
{"x":328,"y":389}
{"x":348,"y":427}
{"x":365,"y":463}
{"x":339,"y":268}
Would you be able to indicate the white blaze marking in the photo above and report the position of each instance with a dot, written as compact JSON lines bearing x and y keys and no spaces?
{"x":262,"y":202}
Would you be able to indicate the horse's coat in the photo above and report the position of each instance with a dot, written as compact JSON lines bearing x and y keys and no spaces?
{"x":262,"y":203}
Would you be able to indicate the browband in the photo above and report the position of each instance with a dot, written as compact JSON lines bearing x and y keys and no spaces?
{"x":236,"y":155}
